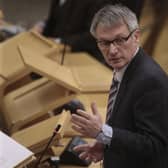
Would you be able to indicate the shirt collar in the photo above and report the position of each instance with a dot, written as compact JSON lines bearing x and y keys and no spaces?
{"x":119,"y":74}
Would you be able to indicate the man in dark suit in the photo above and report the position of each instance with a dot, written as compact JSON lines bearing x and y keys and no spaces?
{"x":135,"y":134}
{"x":70,"y":20}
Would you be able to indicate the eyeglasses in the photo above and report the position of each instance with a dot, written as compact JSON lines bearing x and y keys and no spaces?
{"x":116,"y":42}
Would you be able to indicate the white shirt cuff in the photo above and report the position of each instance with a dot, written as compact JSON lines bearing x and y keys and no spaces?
{"x":105,"y":134}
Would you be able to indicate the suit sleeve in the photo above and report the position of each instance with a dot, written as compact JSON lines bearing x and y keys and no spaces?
{"x":49,"y":22}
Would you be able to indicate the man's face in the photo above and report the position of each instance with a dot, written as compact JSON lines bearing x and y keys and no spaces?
{"x":117,"y":44}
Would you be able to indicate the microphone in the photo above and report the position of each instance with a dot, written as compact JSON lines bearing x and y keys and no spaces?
{"x":56,"y":130}
{"x":71,"y":106}
{"x":63,"y":53}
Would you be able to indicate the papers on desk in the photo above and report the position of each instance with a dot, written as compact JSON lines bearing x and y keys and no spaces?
{"x":12,"y":154}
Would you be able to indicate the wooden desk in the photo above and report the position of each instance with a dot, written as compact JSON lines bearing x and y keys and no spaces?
{"x":64,"y":142}
{"x":35,"y":136}
{"x":93,"y":165}
{"x":89,"y":74}
{"x":80,"y":72}
{"x":2,"y":83}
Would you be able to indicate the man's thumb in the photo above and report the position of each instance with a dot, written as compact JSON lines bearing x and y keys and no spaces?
{"x":94,"y":108}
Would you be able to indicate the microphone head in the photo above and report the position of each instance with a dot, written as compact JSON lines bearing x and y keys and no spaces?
{"x":72,"y":106}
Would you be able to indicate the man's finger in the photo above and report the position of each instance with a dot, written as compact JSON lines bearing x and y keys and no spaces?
{"x":83,"y":114}
{"x":79,"y":148}
{"x":94,"y":108}
{"x":83,"y":155}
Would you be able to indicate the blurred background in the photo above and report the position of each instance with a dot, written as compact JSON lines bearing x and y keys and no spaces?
{"x":24,"y":12}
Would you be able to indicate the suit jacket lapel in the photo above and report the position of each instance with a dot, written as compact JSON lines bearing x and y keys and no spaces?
{"x":124,"y":83}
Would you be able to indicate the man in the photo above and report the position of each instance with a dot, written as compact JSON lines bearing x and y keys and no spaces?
{"x":69,"y":22}
{"x":135,"y":134}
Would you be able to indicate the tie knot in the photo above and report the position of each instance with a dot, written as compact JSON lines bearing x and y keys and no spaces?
{"x":115,"y":80}
{"x":114,"y":83}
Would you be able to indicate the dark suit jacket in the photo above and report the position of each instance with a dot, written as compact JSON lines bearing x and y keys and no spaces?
{"x":71,"y":22}
{"x":139,"y":118}
{"x":135,"y":5}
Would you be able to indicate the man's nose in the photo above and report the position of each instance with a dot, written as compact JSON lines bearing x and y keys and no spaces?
{"x":112,"y":48}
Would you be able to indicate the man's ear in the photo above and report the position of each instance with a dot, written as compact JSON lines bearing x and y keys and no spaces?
{"x":137,"y":34}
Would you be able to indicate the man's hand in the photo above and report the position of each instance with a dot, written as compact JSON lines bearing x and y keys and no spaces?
{"x":87,"y":124}
{"x":90,"y":152}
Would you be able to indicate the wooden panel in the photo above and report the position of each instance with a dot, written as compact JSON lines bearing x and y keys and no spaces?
{"x":12,"y":65}
{"x":28,"y":103}
{"x":44,"y":66}
{"x":89,"y":74}
{"x":36,"y":136}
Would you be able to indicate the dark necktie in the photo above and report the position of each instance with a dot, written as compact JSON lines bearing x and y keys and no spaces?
{"x":112,"y":94}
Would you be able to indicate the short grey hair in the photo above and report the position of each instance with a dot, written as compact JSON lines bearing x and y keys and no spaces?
{"x":113,"y":14}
